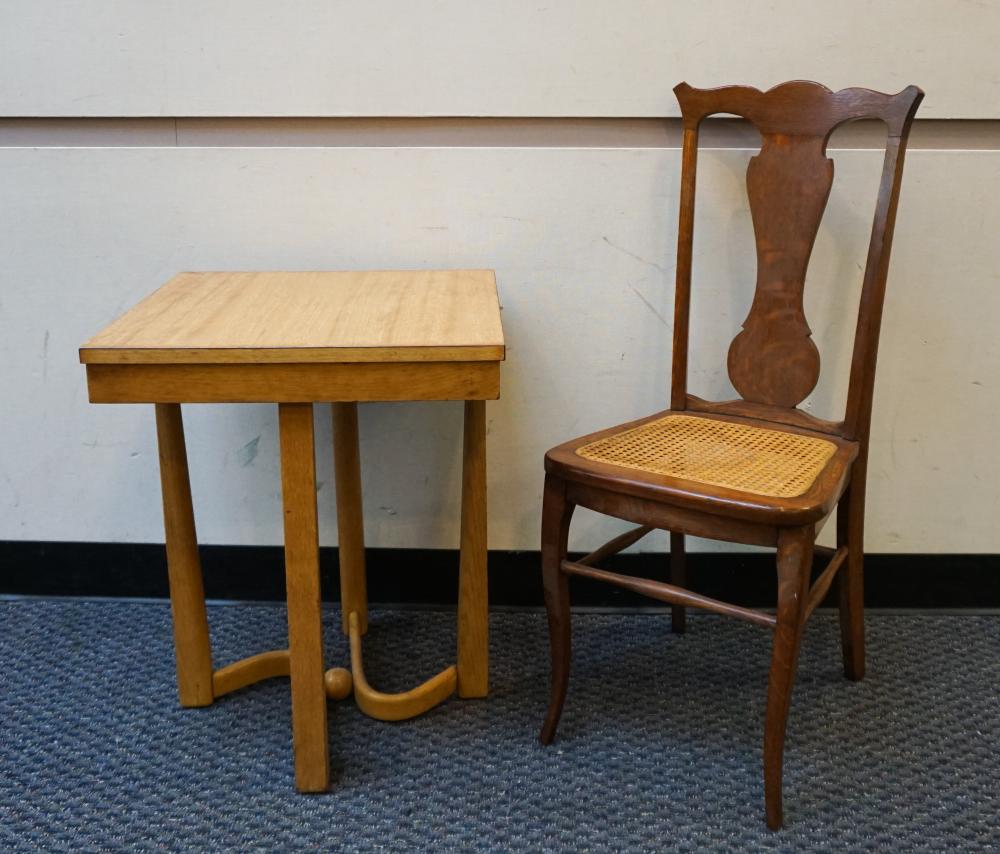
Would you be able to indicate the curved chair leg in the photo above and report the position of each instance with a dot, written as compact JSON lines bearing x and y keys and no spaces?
{"x":851,"y":533}
{"x":795,"y":548}
{"x":556,"y":515}
{"x":678,"y":577}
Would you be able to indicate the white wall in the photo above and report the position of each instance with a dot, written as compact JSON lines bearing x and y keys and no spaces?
{"x":476,"y":57}
{"x":582,"y":241}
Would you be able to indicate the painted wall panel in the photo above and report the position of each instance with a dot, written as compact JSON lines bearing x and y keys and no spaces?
{"x":582,"y":241}
{"x":461,"y":58}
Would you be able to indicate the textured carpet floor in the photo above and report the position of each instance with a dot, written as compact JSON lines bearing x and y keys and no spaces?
{"x":660,"y":746}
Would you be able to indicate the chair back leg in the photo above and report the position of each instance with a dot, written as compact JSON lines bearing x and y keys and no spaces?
{"x":556,"y":516}
{"x":678,"y":577}
{"x":851,"y":580}
{"x":795,"y":551}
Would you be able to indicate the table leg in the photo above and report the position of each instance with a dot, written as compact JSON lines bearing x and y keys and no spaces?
{"x":305,"y":634}
{"x":187,"y":594}
{"x":473,"y":628}
{"x":350,"y":516}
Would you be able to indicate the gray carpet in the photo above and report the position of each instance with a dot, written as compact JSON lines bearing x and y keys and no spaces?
{"x":659,"y":747}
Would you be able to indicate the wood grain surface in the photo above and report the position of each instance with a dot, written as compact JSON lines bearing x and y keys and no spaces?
{"x":375,"y":316}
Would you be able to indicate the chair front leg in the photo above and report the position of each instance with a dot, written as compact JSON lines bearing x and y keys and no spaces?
{"x":556,"y":516}
{"x":795,"y":550}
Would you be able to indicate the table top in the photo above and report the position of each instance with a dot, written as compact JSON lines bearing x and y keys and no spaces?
{"x":283,"y":317}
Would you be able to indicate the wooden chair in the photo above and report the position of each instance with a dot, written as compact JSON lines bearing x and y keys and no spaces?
{"x":757,"y":470}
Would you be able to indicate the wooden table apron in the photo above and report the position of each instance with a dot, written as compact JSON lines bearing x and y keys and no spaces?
{"x":295,"y":388}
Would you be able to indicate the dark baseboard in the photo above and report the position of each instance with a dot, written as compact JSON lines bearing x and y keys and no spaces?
{"x":429,"y":576}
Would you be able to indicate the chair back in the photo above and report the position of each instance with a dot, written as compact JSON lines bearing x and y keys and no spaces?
{"x":773,"y":362}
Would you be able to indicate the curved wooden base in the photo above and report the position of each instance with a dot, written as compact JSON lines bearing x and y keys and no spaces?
{"x":339,"y":683}
{"x":246,"y":671}
{"x":396,"y":707}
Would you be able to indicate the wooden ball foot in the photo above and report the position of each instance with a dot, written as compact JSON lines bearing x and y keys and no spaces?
{"x":338,"y":683}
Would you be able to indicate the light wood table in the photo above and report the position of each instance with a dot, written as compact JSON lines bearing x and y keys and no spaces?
{"x":296,"y":339}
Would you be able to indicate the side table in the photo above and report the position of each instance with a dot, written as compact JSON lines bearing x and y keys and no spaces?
{"x":296,"y":339}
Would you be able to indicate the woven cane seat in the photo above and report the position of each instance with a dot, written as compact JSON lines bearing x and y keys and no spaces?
{"x":721,"y":453}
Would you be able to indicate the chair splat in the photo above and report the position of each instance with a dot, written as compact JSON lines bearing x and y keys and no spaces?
{"x":773,"y":360}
